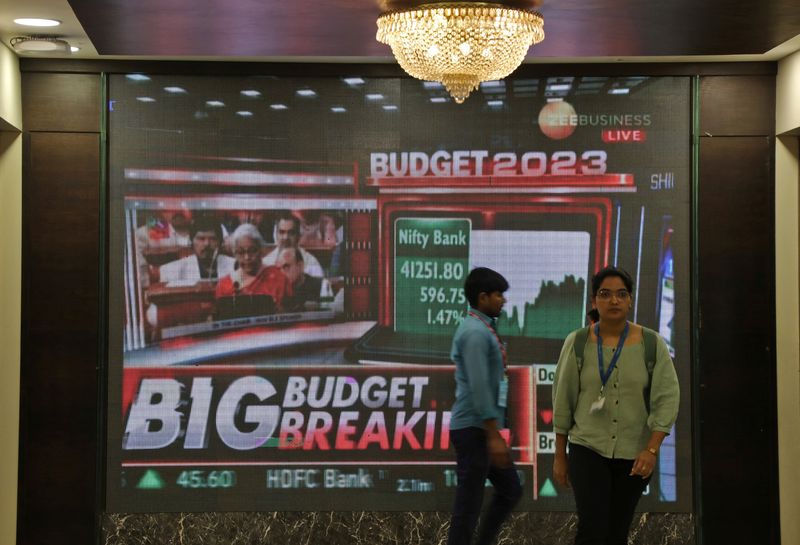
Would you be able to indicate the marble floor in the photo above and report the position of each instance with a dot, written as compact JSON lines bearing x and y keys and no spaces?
{"x":368,"y":528}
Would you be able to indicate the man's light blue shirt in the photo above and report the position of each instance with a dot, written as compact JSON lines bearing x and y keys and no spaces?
{"x":479,"y":370}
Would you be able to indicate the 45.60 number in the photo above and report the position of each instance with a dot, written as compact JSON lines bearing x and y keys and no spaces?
{"x":206,"y":479}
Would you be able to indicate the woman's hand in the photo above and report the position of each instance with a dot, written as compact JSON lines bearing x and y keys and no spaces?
{"x":560,"y":467}
{"x":644,"y":464}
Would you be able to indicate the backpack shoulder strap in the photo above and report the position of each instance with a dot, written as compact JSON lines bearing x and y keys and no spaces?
{"x":650,"y":349}
{"x":581,"y":338}
{"x":650,"y":338}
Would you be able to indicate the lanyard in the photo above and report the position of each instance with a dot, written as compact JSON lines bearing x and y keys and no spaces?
{"x":617,"y":352}
{"x":497,"y":338}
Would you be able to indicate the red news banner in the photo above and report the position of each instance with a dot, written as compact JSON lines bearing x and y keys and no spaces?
{"x":247,"y":415}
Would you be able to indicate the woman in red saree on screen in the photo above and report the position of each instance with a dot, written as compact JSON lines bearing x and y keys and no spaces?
{"x":252,"y":289}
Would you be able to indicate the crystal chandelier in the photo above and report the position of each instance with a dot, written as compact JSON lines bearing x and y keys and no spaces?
{"x":460,"y":44}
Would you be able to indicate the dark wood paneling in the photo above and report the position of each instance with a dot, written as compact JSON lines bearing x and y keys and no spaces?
{"x":737,"y":404}
{"x":61,"y":102}
{"x":737,"y":106}
{"x":307,"y":28}
{"x":59,"y":338}
{"x":385,"y":70}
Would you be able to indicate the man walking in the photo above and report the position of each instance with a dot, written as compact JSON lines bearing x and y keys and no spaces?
{"x":478,"y":414}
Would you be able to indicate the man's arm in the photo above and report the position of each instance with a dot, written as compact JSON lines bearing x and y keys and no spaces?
{"x":475,"y":357}
{"x":499,"y":454}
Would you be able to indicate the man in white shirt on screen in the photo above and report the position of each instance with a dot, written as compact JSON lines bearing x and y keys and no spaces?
{"x":287,"y":235}
{"x":162,"y":230}
{"x":207,"y":263}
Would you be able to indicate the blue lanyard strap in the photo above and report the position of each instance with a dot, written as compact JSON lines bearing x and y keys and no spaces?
{"x":617,"y":352}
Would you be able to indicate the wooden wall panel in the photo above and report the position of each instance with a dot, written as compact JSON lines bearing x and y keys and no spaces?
{"x":737,"y":408}
{"x":61,"y":102}
{"x":737,"y":105}
{"x":59,"y":338}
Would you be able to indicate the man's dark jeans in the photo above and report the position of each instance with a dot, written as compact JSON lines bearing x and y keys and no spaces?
{"x":473,"y":468}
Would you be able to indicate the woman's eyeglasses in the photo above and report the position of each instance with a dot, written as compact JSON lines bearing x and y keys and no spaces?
{"x":249,"y":252}
{"x":606,"y":295}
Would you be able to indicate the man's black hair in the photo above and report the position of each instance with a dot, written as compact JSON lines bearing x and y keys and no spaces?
{"x":288,"y":216}
{"x":483,"y":280}
{"x":206,"y":223}
{"x":604,"y":273}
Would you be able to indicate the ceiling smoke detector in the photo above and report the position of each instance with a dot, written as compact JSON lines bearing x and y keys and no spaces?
{"x":40,"y":44}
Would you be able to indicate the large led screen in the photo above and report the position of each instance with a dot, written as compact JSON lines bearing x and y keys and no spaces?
{"x":286,"y":263}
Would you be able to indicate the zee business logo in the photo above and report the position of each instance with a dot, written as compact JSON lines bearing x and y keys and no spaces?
{"x":558,"y":120}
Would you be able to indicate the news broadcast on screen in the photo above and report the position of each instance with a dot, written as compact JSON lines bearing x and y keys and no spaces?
{"x":286,"y":264}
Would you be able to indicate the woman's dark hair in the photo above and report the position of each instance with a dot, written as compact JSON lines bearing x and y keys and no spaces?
{"x":483,"y":280}
{"x":604,"y":273}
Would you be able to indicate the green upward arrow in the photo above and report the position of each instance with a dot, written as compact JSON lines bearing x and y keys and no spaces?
{"x":150,"y":480}
{"x":548,"y":490}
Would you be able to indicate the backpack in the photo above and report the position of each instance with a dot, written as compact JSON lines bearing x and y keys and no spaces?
{"x":650,"y":338}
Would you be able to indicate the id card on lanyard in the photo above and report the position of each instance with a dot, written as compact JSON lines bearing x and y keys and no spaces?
{"x":502,"y":386}
{"x":599,"y":403}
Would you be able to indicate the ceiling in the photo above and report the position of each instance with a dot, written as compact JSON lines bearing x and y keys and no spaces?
{"x":330,"y":30}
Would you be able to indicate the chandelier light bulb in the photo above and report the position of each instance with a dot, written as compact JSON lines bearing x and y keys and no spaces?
{"x":460,"y":44}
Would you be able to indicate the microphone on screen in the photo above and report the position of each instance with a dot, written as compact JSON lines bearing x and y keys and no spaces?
{"x":212,"y":267}
{"x":236,"y":276}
